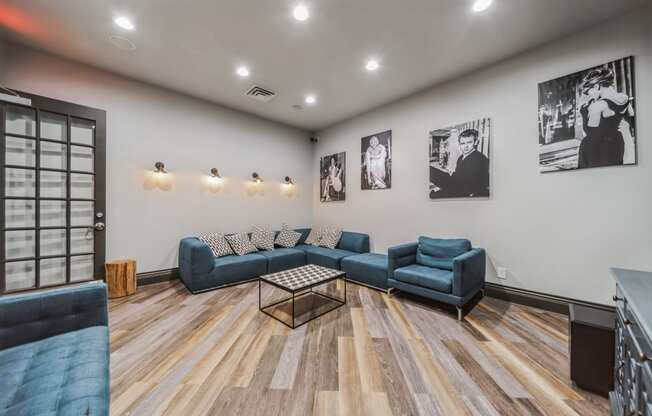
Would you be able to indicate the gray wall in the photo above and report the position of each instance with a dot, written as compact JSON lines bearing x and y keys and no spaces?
{"x":556,"y":233}
{"x":146,"y":124}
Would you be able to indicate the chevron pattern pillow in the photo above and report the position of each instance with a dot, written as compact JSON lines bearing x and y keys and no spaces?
{"x":240,"y":244}
{"x":330,"y":237}
{"x":218,"y":244}
{"x":314,"y":236}
{"x":262,"y":237}
{"x":287,"y":238}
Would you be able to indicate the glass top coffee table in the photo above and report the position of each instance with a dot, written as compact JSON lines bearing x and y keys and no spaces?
{"x":312,"y":293}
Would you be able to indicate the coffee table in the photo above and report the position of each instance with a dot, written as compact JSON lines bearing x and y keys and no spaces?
{"x":300,"y":282}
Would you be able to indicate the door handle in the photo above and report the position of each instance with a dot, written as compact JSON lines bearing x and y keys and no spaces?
{"x":99,"y":226}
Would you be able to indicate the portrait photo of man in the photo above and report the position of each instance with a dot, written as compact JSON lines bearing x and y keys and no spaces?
{"x":459,"y":161}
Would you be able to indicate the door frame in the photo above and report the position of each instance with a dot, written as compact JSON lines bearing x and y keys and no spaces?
{"x":71,"y":110}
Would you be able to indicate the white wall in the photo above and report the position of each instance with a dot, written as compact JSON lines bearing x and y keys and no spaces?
{"x":146,"y":124}
{"x":556,"y":233}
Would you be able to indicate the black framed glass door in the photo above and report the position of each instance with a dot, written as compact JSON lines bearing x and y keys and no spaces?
{"x":52,"y":183}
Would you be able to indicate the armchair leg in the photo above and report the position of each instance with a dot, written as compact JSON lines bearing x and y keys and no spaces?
{"x":390,"y":291}
{"x":460,"y":315}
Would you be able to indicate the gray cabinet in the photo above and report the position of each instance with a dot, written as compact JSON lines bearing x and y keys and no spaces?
{"x":632,"y":394}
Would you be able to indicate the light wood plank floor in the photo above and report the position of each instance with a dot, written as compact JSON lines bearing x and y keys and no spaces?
{"x":214,"y":353}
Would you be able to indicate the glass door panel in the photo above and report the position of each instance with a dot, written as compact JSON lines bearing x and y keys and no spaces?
{"x":20,"y":121}
{"x":54,"y":126}
{"x":81,"y":240}
{"x":81,"y":186}
{"x":81,"y":213}
{"x":20,"y":275}
{"x":81,"y":268}
{"x":82,"y":159}
{"x":53,"y":184}
{"x":52,"y":242}
{"x":52,"y":214}
{"x":50,"y":197}
{"x":19,"y":244}
{"x":52,"y":271}
{"x":20,"y":183}
{"x":82,"y":132}
{"x":53,"y":155}
{"x":20,"y":152}
{"x":20,"y":213}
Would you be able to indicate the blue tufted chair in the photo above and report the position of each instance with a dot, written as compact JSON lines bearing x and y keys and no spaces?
{"x":444,"y":270}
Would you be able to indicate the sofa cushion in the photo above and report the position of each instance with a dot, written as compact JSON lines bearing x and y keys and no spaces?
{"x":262,"y":237}
{"x":314,"y":236}
{"x":323,"y":256}
{"x":357,"y":242}
{"x":287,"y":238}
{"x":241,"y":244}
{"x":218,"y":244}
{"x":367,"y":268}
{"x":64,"y":374}
{"x":439,"y":253}
{"x":330,"y":237}
{"x":435,"y":279}
{"x":283,"y":259}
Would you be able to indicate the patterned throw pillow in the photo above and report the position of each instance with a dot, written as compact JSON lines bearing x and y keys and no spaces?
{"x":240,"y":244}
{"x":217,"y":243}
{"x":314,"y":236}
{"x":262,"y":237}
{"x":330,"y":237}
{"x":287,"y":238}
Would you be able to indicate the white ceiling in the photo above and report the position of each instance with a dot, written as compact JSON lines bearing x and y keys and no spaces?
{"x":195,"y":46}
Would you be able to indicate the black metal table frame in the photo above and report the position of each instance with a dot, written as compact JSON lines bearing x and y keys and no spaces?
{"x":296,"y":294}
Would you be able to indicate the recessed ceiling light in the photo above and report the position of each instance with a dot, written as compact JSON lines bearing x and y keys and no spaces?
{"x":242,"y":71}
{"x":311,"y":99}
{"x":372,"y":65}
{"x":481,"y":5}
{"x":301,"y":13}
{"x":124,"y":23}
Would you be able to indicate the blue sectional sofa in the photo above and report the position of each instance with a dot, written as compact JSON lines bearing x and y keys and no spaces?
{"x":200,"y":270}
{"x":54,"y":352}
{"x":448,"y":271}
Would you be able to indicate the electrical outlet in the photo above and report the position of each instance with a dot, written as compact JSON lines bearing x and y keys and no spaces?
{"x":502,"y":272}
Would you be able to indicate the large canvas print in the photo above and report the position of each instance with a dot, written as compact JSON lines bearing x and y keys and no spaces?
{"x":587,"y":119}
{"x":376,"y":161}
{"x":332,"y":174}
{"x":459,"y":160}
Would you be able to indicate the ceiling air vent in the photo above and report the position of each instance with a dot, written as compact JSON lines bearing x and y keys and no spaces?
{"x":261,"y":94}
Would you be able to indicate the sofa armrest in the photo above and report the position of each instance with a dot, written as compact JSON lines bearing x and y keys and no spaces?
{"x":34,"y":316}
{"x":401,"y":256}
{"x":468,"y":271}
{"x":195,"y":257}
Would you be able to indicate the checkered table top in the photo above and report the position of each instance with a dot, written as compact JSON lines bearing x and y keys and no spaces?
{"x":302,"y":277}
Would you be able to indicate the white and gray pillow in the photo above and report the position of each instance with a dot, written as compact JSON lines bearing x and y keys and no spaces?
{"x":240,"y":244}
{"x":330,"y":237}
{"x":287,"y":238}
{"x":314,"y":236}
{"x":262,"y":237}
{"x":218,"y":244}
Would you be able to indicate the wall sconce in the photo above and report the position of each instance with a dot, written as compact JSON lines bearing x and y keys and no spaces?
{"x":159,"y":167}
{"x":256,"y":178}
{"x":215,"y":173}
{"x":288,"y":181}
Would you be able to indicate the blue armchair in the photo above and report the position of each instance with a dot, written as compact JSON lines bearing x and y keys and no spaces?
{"x":54,"y":352}
{"x":448,"y":271}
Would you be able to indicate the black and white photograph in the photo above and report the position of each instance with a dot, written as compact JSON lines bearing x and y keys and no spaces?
{"x":459,"y":160}
{"x":332,"y":174}
{"x":376,"y":161}
{"x":587,"y":119}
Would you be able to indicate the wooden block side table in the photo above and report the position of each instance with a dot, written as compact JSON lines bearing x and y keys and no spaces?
{"x":120,"y":278}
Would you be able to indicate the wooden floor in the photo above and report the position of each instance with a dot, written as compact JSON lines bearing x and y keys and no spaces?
{"x":180,"y":354}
